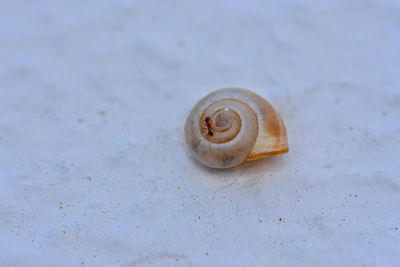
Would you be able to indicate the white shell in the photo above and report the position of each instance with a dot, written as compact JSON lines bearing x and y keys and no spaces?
{"x":232,"y":125}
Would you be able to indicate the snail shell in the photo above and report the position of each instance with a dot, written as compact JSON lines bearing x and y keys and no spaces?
{"x":229,"y":126}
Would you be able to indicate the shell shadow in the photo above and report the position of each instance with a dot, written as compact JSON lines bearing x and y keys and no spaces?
{"x":247,"y":170}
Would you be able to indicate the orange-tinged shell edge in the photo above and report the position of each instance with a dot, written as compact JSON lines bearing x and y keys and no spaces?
{"x":272,"y":137}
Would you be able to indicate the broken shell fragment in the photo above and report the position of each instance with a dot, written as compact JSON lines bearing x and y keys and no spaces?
{"x":232,"y":125}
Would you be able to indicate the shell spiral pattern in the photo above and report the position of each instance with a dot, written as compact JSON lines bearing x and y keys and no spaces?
{"x":232,"y":125}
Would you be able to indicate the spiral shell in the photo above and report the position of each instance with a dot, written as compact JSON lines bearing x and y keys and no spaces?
{"x":232,"y":125}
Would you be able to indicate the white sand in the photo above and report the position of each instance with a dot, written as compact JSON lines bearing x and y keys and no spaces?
{"x":93,"y":165}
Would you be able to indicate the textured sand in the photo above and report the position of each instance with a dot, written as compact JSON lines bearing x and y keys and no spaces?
{"x":93,"y":165}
